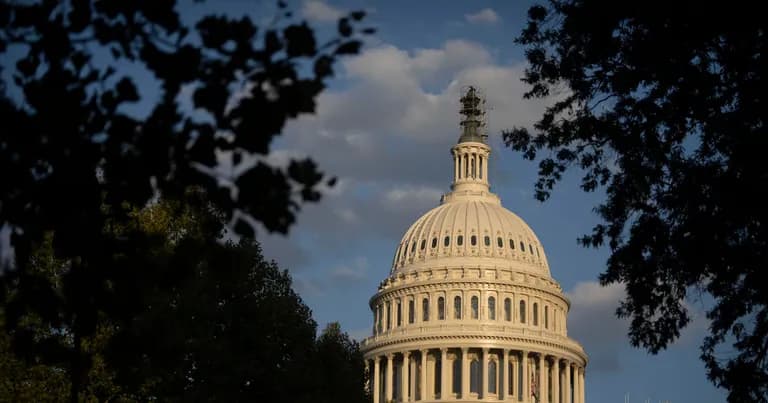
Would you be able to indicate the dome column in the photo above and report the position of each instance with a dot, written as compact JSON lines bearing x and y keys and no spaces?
{"x":505,"y":386}
{"x":465,"y":373}
{"x":484,"y":371}
{"x":513,"y":386}
{"x":555,"y":369}
{"x":404,"y":376}
{"x":567,"y":383}
{"x":582,"y":392}
{"x":526,"y":377}
{"x":423,"y":375}
{"x":444,"y":374}
{"x":376,"y":379}
{"x":388,"y":378}
{"x":542,"y":375}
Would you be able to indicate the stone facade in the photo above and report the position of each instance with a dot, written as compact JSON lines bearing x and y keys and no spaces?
{"x":469,"y":311}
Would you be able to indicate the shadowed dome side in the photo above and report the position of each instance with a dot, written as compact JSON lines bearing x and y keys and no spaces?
{"x":476,"y":228}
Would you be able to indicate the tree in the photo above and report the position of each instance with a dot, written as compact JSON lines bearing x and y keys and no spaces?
{"x":341,"y":368}
{"x":663,"y":105}
{"x":220,"y":324}
{"x":75,"y":159}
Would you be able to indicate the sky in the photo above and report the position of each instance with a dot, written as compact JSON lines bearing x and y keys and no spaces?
{"x":384,"y":128}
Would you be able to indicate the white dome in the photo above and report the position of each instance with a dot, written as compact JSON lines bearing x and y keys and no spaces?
{"x":444,"y":237}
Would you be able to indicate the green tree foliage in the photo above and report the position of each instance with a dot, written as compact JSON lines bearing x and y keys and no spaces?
{"x":220,"y":324}
{"x":75,"y":161}
{"x":341,"y":371}
{"x":663,"y":104}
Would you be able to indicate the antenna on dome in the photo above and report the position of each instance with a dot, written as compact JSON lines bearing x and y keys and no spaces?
{"x":473,"y":115}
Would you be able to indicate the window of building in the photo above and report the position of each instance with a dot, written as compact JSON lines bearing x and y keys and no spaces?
{"x":425,"y":309}
{"x":413,"y":246}
{"x":379,"y":318}
{"x":460,"y":240}
{"x":438,"y":378}
{"x":500,"y":242}
{"x":522,"y":246}
{"x":423,"y":244}
{"x":434,"y":243}
{"x":411,"y":311}
{"x":474,"y":376}
{"x":457,"y":307}
{"x":511,"y":244}
{"x":473,"y":240}
{"x":492,"y":376}
{"x":530,"y":248}
{"x":522,"y":311}
{"x":487,"y":240}
{"x":546,"y":317}
{"x":475,"y":309}
{"x":507,"y":309}
{"x":441,"y":308}
{"x":535,"y":314}
{"x":399,"y":320}
{"x":447,"y":241}
{"x":491,"y":308}
{"x":389,"y":316}
{"x":456,"y":376}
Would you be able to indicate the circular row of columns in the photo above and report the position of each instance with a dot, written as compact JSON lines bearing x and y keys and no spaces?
{"x":561,"y":378}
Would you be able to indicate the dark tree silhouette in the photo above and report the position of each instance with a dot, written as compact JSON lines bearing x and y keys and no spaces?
{"x":214,"y":322}
{"x":75,"y":160}
{"x":663,"y":104}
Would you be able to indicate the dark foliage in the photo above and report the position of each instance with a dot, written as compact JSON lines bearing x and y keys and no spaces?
{"x":663,"y":104}
{"x":74,"y":161}
{"x":219,"y":324}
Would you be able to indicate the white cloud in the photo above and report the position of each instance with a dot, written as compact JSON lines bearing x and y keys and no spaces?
{"x":320,"y":11}
{"x":484,"y":16}
{"x":593,"y":322}
{"x":353,"y":272}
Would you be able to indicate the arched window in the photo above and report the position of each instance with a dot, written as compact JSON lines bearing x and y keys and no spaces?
{"x":546,"y":317}
{"x":492,"y":376}
{"x":473,"y":240}
{"x":475,"y":309}
{"x":447,"y":241}
{"x":411,"y":311}
{"x":413,"y":246}
{"x":474,"y":376}
{"x":535,"y":314}
{"x":487,"y":240}
{"x":522,"y":311}
{"x":480,"y":173}
{"x":537,"y":252}
{"x":389,"y":316}
{"x":423,"y":244}
{"x":522,"y":246}
{"x":457,"y":307}
{"x":425,"y":309}
{"x":500,"y":242}
{"x":456,"y":376}
{"x":507,"y":309}
{"x":441,"y":308}
{"x":434,"y":243}
{"x":460,"y":240}
{"x":491,"y":308}
{"x":511,"y":244}
{"x":399,"y":314}
{"x":530,"y":248}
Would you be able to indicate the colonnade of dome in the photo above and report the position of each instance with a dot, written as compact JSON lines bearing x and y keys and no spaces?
{"x":469,"y":311}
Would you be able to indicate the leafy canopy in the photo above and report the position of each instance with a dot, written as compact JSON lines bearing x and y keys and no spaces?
{"x":663,"y":105}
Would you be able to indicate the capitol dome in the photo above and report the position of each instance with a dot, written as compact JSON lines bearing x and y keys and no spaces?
{"x":470,"y":311}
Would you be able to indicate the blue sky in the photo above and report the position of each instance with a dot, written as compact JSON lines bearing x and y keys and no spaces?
{"x":384,"y":128}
